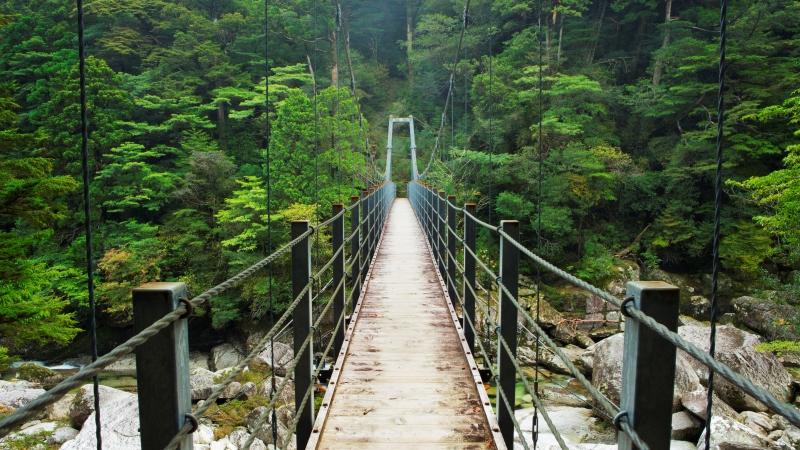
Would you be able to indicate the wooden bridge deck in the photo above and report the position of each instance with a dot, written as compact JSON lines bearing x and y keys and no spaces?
{"x":405,"y":378}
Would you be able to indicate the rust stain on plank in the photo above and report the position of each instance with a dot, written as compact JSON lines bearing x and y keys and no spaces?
{"x":404,"y":378}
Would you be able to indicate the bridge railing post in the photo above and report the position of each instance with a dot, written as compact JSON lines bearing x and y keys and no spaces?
{"x":373,"y":223}
{"x":648,"y":366}
{"x":338,"y":276}
{"x":364,"y":263}
{"x":303,"y":372}
{"x":451,"y":249}
{"x":509,"y":277}
{"x":355,"y":270}
{"x":468,"y":309}
{"x":441,"y":241}
{"x":162,"y":366}
{"x":429,"y":208}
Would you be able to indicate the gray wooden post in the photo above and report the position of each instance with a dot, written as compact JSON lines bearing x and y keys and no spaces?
{"x":338,"y":276}
{"x":364,"y":264}
{"x":441,"y":239}
{"x":301,"y":275}
{"x":372,"y":224}
{"x":429,"y":218}
{"x":162,"y":366}
{"x":468,"y":311}
{"x":451,"y":249}
{"x":648,"y":366}
{"x":355,"y":266}
{"x":509,"y":277}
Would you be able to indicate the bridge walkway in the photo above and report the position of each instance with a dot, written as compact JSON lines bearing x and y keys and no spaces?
{"x":405,"y":377}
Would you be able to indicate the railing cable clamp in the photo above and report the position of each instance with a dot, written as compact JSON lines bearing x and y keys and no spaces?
{"x":623,"y":307}
{"x":618,"y":418}
{"x":195,"y":423}
{"x":189,"y":307}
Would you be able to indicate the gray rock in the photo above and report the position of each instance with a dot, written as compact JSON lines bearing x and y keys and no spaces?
{"x":125,"y":366}
{"x":734,"y":348}
{"x":554,"y":395}
{"x":574,"y":424}
{"x":286,"y":396}
{"x":62,"y":435}
{"x":201,"y":381}
{"x":264,"y":433}
{"x":83,"y":404}
{"x":60,"y":409}
{"x":791,"y":437}
{"x":727,"y":434}
{"x":763,"y":315}
{"x":761,"y":420}
{"x":224,"y":356}
{"x":282,"y":357}
{"x":17,"y":398}
{"x":238,"y":437}
{"x":198,"y":360}
{"x":685,"y":426}
{"x":697,"y":403}
{"x":233,"y":390}
{"x":527,"y":357}
{"x":120,"y":428}
{"x":607,"y":371}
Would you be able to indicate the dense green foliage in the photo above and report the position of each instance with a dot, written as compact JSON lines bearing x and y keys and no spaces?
{"x":178,"y":141}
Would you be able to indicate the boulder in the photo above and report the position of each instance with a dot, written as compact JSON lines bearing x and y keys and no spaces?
{"x":681,"y":445}
{"x":264,"y":432}
{"x":26,"y":433}
{"x":232,"y":391}
{"x":527,"y":357}
{"x":201,"y":381}
{"x":283,"y":355}
{"x":62,"y":435}
{"x":574,"y":424}
{"x":125,"y":366}
{"x":727,"y":434}
{"x":203,"y":435}
{"x":224,"y":356}
{"x":607,"y":371}
{"x":555,"y":395}
{"x":791,"y":437}
{"x":758,"y":422}
{"x":60,"y":409}
{"x":38,"y":373}
{"x":286,"y":396}
{"x":734,"y":347}
{"x":83,"y":404}
{"x":18,"y":394}
{"x":198,"y":360}
{"x":120,"y":427}
{"x":686,"y":426}
{"x":223,"y":444}
{"x":697,"y":403}
{"x":764,"y":317}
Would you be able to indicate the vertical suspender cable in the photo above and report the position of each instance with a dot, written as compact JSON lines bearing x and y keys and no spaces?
{"x":491,"y":151}
{"x":269,"y":216}
{"x":337,"y":16}
{"x":316,"y":147}
{"x":723,"y":13}
{"x":87,"y":212}
{"x":535,"y":428}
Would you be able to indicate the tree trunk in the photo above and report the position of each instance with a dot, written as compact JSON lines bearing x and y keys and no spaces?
{"x":659,"y":68}
{"x":637,"y":51}
{"x":220,"y":118}
{"x":596,"y":33}
{"x":335,"y":53}
{"x":560,"y":36}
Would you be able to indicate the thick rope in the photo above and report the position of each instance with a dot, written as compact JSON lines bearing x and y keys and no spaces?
{"x":30,"y":410}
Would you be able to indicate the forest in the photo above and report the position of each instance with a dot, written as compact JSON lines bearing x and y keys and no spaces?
{"x":187,"y":97}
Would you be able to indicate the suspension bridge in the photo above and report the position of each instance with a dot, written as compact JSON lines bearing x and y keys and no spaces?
{"x":405,"y":338}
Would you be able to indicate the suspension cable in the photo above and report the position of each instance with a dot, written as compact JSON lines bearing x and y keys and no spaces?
{"x":717,"y":212}
{"x":273,"y":385}
{"x":87,"y":212}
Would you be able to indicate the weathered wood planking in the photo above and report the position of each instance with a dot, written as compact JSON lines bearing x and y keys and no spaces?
{"x":405,"y":378}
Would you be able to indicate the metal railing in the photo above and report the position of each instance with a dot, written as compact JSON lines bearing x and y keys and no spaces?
{"x":161,"y":341}
{"x":651,"y":340}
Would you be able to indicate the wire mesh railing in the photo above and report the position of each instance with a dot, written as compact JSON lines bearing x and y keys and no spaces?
{"x":160,"y":309}
{"x":437,"y":216}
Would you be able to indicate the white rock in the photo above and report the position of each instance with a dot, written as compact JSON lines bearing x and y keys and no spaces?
{"x":224,"y":356}
{"x":727,"y":434}
{"x":201,"y":382}
{"x":221,"y":444}
{"x":238,"y":437}
{"x":681,"y":445}
{"x":62,"y":435}
{"x":198,"y":360}
{"x":60,"y":409}
{"x":203,"y":435}
{"x":83,"y":404}
{"x":734,"y":347}
{"x":760,"y":420}
{"x":125,"y":366}
{"x":19,"y":397}
{"x":574,"y":424}
{"x":685,"y":426}
{"x":120,"y":427}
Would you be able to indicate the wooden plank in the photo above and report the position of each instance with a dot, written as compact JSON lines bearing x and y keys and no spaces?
{"x":404,"y":376}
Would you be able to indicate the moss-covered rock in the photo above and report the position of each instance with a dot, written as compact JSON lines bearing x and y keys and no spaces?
{"x":38,"y":374}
